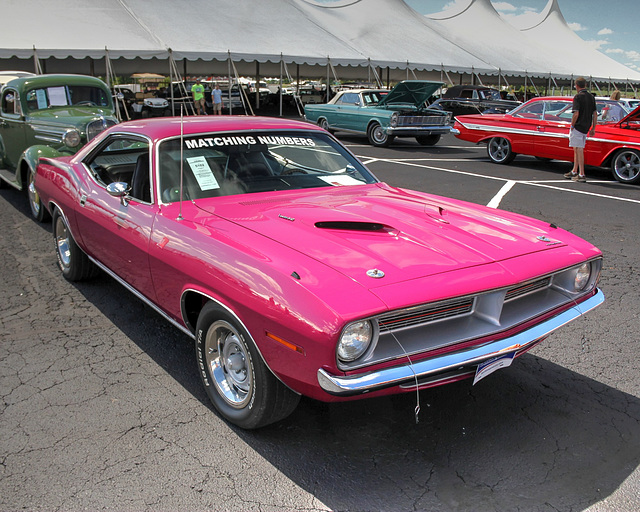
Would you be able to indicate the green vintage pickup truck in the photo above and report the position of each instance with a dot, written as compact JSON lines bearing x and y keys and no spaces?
{"x":48,"y":115}
{"x":382,"y":115}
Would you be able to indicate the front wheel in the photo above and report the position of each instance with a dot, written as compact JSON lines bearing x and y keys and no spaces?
{"x":378,"y":136}
{"x":238,"y":383}
{"x":38,"y":211}
{"x":626,"y":166}
{"x":499,"y":150}
{"x":74,"y":264}
{"x":428,"y":140}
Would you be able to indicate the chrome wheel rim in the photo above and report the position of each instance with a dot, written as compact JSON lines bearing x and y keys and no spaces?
{"x":378,"y":134}
{"x":627,"y":165}
{"x":229,"y":364}
{"x":324,"y":125}
{"x":34,"y":198}
{"x":62,"y":242}
{"x":499,"y":148}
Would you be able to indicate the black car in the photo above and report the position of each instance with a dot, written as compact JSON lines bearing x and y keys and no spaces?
{"x":475,"y":99}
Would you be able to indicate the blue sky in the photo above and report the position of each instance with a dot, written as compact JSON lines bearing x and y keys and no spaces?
{"x":610,"y":27}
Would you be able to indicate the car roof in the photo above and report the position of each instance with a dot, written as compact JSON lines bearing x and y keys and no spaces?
{"x":163,"y":127}
{"x":53,"y":80}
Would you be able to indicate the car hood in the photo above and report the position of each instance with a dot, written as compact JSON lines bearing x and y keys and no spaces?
{"x":69,"y":115}
{"x":405,"y":235}
{"x":412,"y":92}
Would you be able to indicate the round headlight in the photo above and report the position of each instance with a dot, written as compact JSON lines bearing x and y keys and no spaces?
{"x":71,"y":138}
{"x":393,"y":122}
{"x":355,"y":340}
{"x":581,"y":279}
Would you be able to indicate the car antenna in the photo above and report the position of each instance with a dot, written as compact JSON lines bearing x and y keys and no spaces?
{"x":180,"y":217}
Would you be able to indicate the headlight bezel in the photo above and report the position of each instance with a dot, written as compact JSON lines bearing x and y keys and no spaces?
{"x":365,"y":349}
{"x":579,"y":279}
{"x":393,"y":121}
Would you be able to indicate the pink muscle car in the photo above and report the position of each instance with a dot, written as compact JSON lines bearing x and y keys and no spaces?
{"x":540,"y":128}
{"x":297,"y":272}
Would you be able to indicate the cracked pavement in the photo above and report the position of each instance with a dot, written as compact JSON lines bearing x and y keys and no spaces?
{"x":102,"y":408}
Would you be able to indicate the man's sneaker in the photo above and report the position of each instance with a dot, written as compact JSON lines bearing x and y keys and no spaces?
{"x":570,"y":175}
{"x":579,"y":178}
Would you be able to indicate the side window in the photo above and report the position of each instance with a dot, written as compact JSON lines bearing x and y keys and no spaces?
{"x":10,"y":102}
{"x":124,"y":159}
{"x":466,"y":93}
{"x":532,"y":111}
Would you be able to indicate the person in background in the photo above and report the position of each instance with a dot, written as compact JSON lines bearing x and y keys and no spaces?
{"x":216,"y":96}
{"x":197,"y":90}
{"x":583,"y":123}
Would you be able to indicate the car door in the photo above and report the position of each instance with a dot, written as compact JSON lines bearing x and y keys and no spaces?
{"x":553,"y":131}
{"x":523,"y":127}
{"x":115,"y":229}
{"x":348,"y":112}
{"x":12,"y":131}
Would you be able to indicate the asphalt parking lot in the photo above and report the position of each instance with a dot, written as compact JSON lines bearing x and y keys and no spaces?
{"x":103,"y":409}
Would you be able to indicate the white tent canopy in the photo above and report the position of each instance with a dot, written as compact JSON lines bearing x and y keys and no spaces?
{"x":259,"y":36}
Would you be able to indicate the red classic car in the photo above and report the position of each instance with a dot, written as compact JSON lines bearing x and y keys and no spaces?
{"x":297,"y":272}
{"x":540,"y":128}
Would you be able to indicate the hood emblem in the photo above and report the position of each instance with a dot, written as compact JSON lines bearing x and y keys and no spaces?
{"x":543,"y":238}
{"x":375,"y":273}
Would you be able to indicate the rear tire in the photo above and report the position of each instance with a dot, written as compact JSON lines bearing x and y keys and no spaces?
{"x":625,"y":166}
{"x":72,"y":261}
{"x":240,"y":386}
{"x":499,"y":150}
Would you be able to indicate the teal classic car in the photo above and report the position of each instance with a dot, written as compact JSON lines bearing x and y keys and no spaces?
{"x":382,"y":115}
{"x":48,"y":115}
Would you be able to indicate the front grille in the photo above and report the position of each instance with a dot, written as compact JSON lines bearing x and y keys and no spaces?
{"x":407,"y":121}
{"x":420,"y":315}
{"x":527,"y":288}
{"x":98,"y":126}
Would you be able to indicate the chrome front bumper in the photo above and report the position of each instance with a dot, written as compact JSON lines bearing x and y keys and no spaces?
{"x":430,"y":368}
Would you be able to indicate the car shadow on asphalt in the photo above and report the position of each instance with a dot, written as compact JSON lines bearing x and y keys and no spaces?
{"x":535,"y":436}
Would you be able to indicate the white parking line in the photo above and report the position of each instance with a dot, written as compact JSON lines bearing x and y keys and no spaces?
{"x":509,"y":184}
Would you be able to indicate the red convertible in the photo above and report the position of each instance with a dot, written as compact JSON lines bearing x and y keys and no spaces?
{"x":540,"y":128}
{"x":297,"y":272}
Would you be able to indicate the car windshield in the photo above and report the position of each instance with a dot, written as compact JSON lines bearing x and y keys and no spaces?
{"x":65,"y":95}
{"x":215,"y":164}
{"x":373,"y":97}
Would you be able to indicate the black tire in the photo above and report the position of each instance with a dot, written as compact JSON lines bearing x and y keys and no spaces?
{"x":74,"y":264}
{"x":247,"y":395}
{"x":625,"y":166}
{"x":324,"y":124}
{"x":428,"y":140}
{"x":378,"y":137}
{"x":499,"y":150}
{"x":38,"y":211}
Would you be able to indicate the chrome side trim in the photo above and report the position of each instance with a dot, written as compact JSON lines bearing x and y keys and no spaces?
{"x":398,"y":375}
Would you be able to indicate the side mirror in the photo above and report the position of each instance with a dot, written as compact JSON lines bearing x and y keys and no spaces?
{"x":119,"y":189}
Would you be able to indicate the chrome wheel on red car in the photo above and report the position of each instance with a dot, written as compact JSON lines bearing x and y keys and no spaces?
{"x":238,"y":383}
{"x":499,"y":150}
{"x":626,"y":166}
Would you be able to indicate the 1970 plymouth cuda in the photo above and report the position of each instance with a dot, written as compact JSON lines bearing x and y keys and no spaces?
{"x":62,"y":112}
{"x":382,"y":115}
{"x":297,"y":272}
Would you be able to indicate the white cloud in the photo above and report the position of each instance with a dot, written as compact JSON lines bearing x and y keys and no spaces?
{"x":605,"y":32}
{"x":576,"y":27}
{"x":633,"y":55}
{"x":597,"y":44}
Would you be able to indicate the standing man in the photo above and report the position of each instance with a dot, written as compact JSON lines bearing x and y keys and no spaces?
{"x":197,"y":90}
{"x":583,"y":123}
{"x":216,"y":96}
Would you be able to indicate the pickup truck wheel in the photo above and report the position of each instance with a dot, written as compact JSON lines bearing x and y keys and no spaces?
{"x":428,"y":140}
{"x":238,"y":383}
{"x":626,"y":166}
{"x":499,"y":150}
{"x":38,"y":211}
{"x":74,"y":264}
{"x":378,"y":137}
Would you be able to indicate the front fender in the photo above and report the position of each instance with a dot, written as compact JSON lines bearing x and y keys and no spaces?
{"x":30,"y":156}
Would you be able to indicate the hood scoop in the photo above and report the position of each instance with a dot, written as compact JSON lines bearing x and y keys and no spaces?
{"x":344,"y":225}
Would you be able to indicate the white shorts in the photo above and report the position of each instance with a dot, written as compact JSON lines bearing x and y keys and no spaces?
{"x":577,"y":139}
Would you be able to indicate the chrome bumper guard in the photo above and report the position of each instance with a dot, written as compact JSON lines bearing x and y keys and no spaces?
{"x":406,"y":373}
